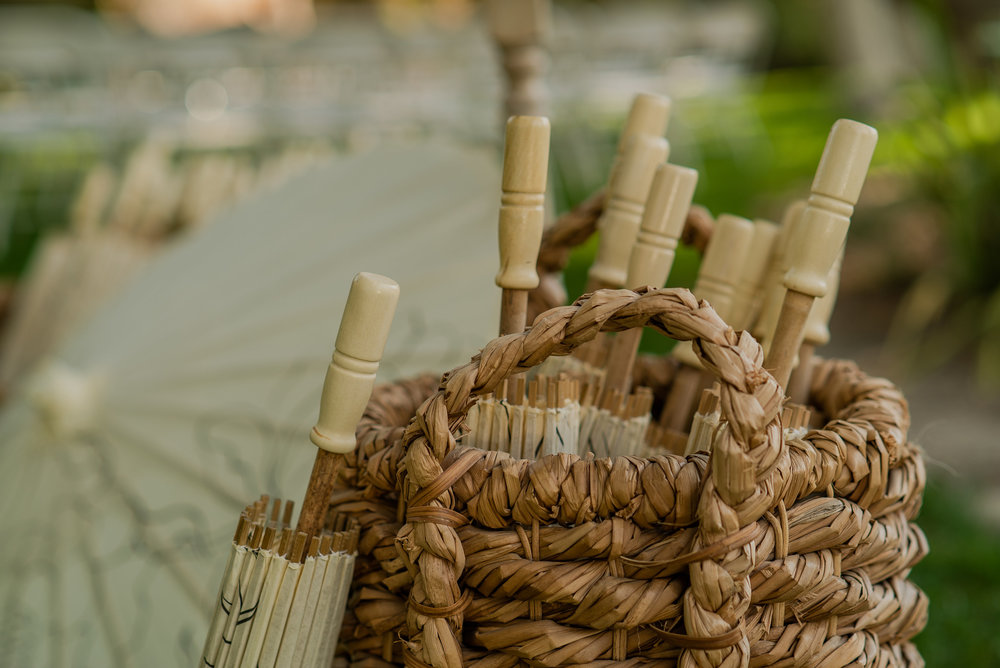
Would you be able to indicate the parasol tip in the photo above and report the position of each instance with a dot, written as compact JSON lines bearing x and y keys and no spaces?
{"x":648,"y":115}
{"x":845,"y":160}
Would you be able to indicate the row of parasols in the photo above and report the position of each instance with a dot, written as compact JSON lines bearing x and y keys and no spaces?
{"x":281,"y":604}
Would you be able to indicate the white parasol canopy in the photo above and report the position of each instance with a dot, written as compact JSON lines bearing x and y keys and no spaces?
{"x":122,"y":466}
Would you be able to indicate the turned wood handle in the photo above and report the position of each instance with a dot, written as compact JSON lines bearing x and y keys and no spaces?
{"x":720,"y":269}
{"x":774,"y":288}
{"x":350,"y":377}
{"x":817,"y":240}
{"x":817,"y":331}
{"x":723,"y":263}
{"x":522,"y":203}
{"x":648,"y":115}
{"x":662,"y":224}
{"x":627,"y":193}
{"x":750,"y":284}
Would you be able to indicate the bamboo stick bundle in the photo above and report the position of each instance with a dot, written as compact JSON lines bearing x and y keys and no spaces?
{"x":704,"y":422}
{"x":820,"y":235}
{"x":527,"y":419}
{"x":616,"y":424}
{"x":547,"y":415}
{"x":282,"y":596}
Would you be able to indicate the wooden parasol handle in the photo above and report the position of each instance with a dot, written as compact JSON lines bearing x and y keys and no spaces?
{"x":364,"y":329}
{"x":652,"y":256}
{"x":618,"y":226}
{"x":746,"y":298}
{"x":522,"y":215}
{"x":521,"y":29}
{"x":773,"y":288}
{"x":819,"y":237}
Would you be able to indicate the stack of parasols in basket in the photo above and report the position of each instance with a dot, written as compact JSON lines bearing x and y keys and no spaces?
{"x":561,"y":500}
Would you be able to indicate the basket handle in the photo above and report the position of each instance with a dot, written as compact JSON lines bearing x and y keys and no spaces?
{"x":744,"y":454}
{"x":751,"y":400}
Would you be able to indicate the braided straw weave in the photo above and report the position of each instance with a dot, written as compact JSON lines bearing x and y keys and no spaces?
{"x":768,"y":552}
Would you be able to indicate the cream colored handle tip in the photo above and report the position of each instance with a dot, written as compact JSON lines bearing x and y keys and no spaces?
{"x":364,"y":330}
{"x":669,"y":200}
{"x":364,"y":327}
{"x":846,"y":157}
{"x":522,"y":203}
{"x":633,"y":178}
{"x":662,"y":224}
{"x":649,"y":115}
{"x":818,"y":238}
{"x":526,"y":154}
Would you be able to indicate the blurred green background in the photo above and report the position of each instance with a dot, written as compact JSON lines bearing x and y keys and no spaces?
{"x":756,"y":86}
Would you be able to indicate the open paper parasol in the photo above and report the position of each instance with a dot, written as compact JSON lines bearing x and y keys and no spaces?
{"x":116,"y":227}
{"x":122,"y":472}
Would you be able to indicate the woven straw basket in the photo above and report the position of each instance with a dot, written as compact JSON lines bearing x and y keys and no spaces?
{"x":773,"y":550}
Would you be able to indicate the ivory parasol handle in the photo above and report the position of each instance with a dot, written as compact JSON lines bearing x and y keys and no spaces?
{"x":522,"y":215}
{"x":819,"y":237}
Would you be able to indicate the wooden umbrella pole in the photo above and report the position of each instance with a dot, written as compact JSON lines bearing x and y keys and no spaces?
{"x":819,"y":236}
{"x":521,"y":29}
{"x":652,"y":257}
{"x":720,"y":269}
{"x":522,"y":216}
{"x":817,"y":334}
{"x":350,"y":378}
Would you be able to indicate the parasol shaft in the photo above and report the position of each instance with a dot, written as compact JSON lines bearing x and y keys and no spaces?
{"x":513,"y":311}
{"x":350,"y":378}
{"x":817,"y":333}
{"x":312,"y":516}
{"x":522,"y":216}
{"x":798,"y":384}
{"x":788,"y":334}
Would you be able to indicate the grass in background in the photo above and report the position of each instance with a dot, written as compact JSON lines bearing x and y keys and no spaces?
{"x":961,"y":576}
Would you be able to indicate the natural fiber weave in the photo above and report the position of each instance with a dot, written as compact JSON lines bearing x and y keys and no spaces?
{"x":767,"y":552}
